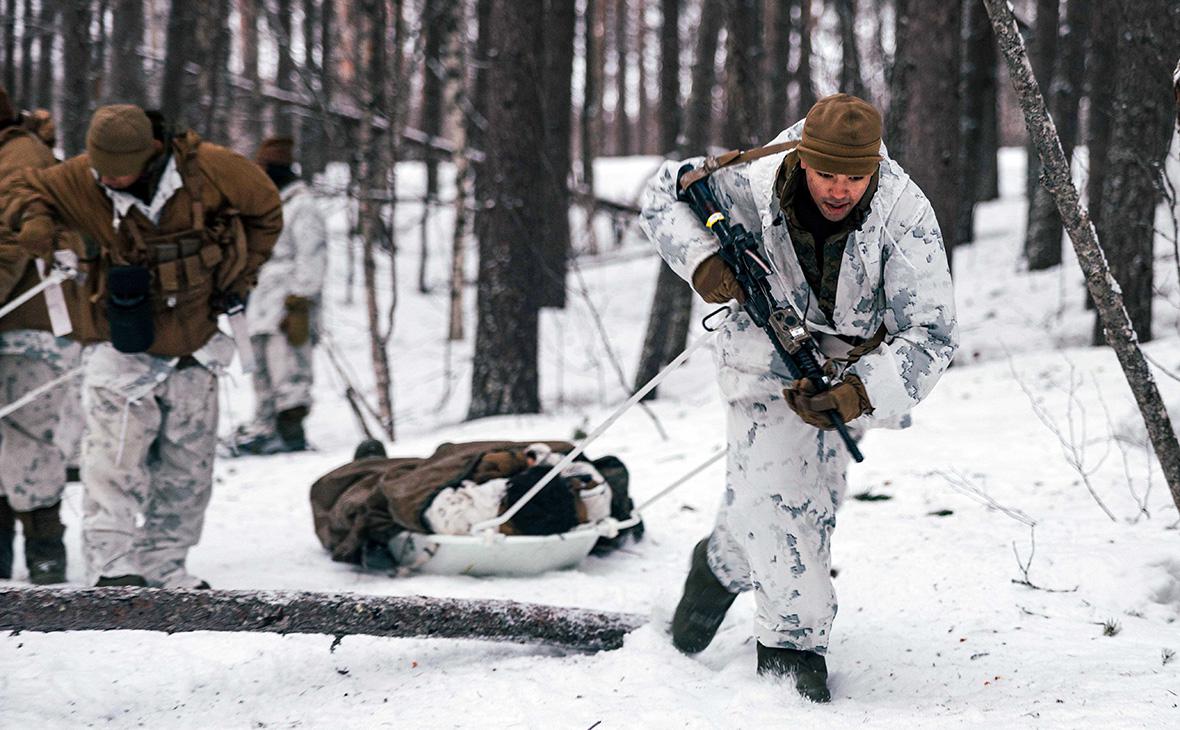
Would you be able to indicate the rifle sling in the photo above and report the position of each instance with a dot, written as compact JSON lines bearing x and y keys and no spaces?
{"x":733,"y":157}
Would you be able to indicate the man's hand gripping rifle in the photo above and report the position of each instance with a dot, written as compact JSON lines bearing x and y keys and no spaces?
{"x":782,"y":325}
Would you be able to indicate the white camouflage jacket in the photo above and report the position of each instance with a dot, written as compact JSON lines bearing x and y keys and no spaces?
{"x":894,"y":271}
{"x":296,"y":265}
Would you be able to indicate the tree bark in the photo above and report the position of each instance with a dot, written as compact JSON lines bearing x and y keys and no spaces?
{"x":591,"y":122}
{"x":930,"y":55}
{"x":979,"y":93}
{"x":778,"y":54}
{"x":177,"y":91}
{"x":248,"y":38}
{"x":436,"y":24}
{"x":1044,"y":50}
{"x":1102,"y":66}
{"x":1133,"y":185}
{"x":1043,"y":238}
{"x":1120,"y":332}
{"x":127,"y":77}
{"x":304,"y":612}
{"x":26,"y":52}
{"x":314,"y":138}
{"x":504,"y":372}
{"x":47,"y":19}
{"x":698,"y":120}
{"x":552,"y":246}
{"x":8,"y":17}
{"x":669,"y":101}
{"x":455,"y":61}
{"x":622,"y":122}
{"x":76,"y":58}
{"x":804,"y":79}
{"x":851,"y":80}
{"x":284,"y":119}
{"x":744,"y":115}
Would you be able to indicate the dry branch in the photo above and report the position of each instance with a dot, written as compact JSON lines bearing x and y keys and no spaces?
{"x":298,"y":612}
{"x":1105,"y":291}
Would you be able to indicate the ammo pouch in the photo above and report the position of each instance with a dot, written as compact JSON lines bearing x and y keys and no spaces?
{"x":129,"y":308}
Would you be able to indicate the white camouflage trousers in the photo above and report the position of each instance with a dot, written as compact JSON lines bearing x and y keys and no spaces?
{"x":784,"y":481}
{"x":32,"y":465}
{"x":282,"y":376}
{"x":147,"y":467}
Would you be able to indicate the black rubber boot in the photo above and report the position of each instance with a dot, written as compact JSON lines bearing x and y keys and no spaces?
{"x":7,"y":535}
{"x":45,"y":553}
{"x":136,"y":581}
{"x":369,"y":448}
{"x":702,"y":607}
{"x":809,"y":669}
{"x":289,"y":424}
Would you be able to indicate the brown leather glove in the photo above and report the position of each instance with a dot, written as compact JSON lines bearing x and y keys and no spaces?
{"x":848,"y":398}
{"x":716,"y":282}
{"x":296,"y":325}
{"x":36,"y":236}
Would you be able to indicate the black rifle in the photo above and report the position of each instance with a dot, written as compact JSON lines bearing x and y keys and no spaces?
{"x":786,"y":330}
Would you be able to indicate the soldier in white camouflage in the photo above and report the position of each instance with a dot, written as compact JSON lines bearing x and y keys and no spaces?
{"x":856,"y":249}
{"x":283,"y":310}
{"x":32,"y":462}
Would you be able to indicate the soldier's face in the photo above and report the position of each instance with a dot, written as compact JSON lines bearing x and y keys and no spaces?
{"x":118,"y":182}
{"x":835,"y":195}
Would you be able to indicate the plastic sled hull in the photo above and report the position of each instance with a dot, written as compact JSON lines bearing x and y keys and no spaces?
{"x":495,"y":554}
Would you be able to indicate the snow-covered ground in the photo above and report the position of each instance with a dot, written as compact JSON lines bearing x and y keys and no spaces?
{"x":933,"y":630}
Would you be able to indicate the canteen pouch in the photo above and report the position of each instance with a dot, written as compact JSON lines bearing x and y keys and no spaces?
{"x":129,"y":308}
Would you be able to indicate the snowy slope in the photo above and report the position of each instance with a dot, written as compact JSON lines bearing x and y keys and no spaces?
{"x":932,"y":631}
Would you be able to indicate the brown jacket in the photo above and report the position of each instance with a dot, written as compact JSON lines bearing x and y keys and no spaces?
{"x":213,"y":235}
{"x":376,"y":498}
{"x":19,"y":148}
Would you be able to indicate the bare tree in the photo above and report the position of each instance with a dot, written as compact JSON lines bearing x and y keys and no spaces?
{"x":698,"y":118}
{"x":851,"y":80}
{"x":26,"y":50}
{"x":1120,"y":333}
{"x":669,"y":99}
{"x":504,"y":369}
{"x":127,"y":77}
{"x":177,"y":91}
{"x":778,"y":55}
{"x":622,"y":124}
{"x":744,"y":115}
{"x":8,"y":18}
{"x":979,"y":108}
{"x":455,"y":61}
{"x":929,"y":125}
{"x":553,"y":242}
{"x":314,"y":134}
{"x":591,"y":119}
{"x":1042,"y":245}
{"x":1101,"y":67}
{"x":47,"y":21}
{"x":437,"y":21}
{"x":1133,"y":185}
{"x":248,"y":47}
{"x":1043,"y":46}
{"x":76,"y":56}
{"x":804,"y":80}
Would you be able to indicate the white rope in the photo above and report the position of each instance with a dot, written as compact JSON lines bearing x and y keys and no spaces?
{"x":55,"y":277}
{"x":494,"y":524}
{"x":37,"y":392}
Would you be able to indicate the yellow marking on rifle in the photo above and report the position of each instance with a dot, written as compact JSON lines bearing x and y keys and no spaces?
{"x":713,"y":219}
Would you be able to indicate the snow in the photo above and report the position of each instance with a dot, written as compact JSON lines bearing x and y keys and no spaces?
{"x":933,"y":631}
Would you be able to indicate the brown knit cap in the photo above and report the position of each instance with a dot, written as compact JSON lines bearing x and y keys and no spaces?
{"x":842,"y":136}
{"x":276,"y":151}
{"x":6,"y":111}
{"x":119,"y":140}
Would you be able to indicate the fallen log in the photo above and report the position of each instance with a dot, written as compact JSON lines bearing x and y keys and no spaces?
{"x":305,"y":612}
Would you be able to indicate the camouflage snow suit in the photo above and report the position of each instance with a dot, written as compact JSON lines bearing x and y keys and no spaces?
{"x":784,"y":478}
{"x":283,"y":373}
{"x":33,"y":451}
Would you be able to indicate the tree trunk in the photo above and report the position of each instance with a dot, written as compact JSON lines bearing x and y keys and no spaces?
{"x":177,"y":93}
{"x":436,"y":24}
{"x":552,"y":246}
{"x":214,"y":85}
{"x":1103,"y":65}
{"x":248,"y":38}
{"x":1120,"y":333}
{"x":284,"y":116}
{"x":899,"y":72}
{"x":930,"y":55}
{"x":127,"y":77}
{"x":315,"y":144}
{"x":26,"y":53}
{"x":47,"y":19}
{"x":455,"y":61}
{"x":623,"y":142}
{"x":504,"y":372}
{"x":8,"y":17}
{"x":76,"y":57}
{"x":477,"y":124}
{"x":669,"y":101}
{"x":778,"y":47}
{"x":851,"y":80}
{"x":698,"y":120}
{"x":592,"y":126}
{"x":1133,"y":185}
{"x":1043,"y":239}
{"x":305,"y":612}
{"x":744,"y":115}
{"x":1044,"y":51}
{"x":979,"y":92}
{"x":804,"y":81}
{"x":643,"y":121}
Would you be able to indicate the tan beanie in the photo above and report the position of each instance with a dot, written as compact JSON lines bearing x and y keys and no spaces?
{"x":119,"y":140}
{"x":276,"y":151}
{"x":842,"y":136}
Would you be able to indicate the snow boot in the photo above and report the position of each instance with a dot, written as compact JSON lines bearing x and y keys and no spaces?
{"x":369,"y":448}
{"x":702,"y":607}
{"x":45,"y":553}
{"x":7,"y":535}
{"x":289,"y":424}
{"x":809,"y":669}
{"x":130,"y":580}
